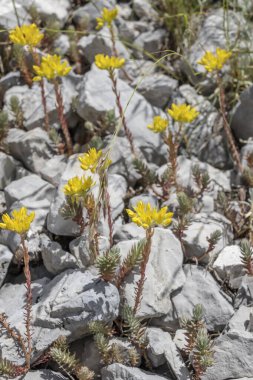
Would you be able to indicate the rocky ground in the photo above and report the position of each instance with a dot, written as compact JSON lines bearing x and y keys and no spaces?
{"x":67,"y":291}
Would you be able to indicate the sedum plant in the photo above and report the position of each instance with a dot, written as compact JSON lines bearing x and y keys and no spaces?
{"x":19,"y":221}
{"x":213,"y":63}
{"x":146,"y":216}
{"x":52,"y":68}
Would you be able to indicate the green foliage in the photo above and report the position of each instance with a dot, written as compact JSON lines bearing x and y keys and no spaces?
{"x":4,"y":124}
{"x":247,"y":256}
{"x":148,"y":176}
{"x":201,"y":178}
{"x":102,"y":343}
{"x":7,"y":368}
{"x":202,"y":353}
{"x":185,"y":203}
{"x":108,"y":263}
{"x":98,"y":327}
{"x":17,"y":111}
{"x":192,"y":327}
{"x":133,"y":258}
{"x":133,"y":327}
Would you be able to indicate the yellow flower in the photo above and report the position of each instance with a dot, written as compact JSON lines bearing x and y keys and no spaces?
{"x":51,"y":67}
{"x":26,"y":35}
{"x":92,"y":160}
{"x":146,"y":216}
{"x":77,"y":187}
{"x":19,"y":221}
{"x":216,"y":61}
{"x":104,"y":62}
{"x":183,"y":113}
{"x":159,"y":124}
{"x":108,"y":15}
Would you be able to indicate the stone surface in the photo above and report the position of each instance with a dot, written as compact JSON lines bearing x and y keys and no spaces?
{"x":128,"y":231}
{"x":242,"y":320}
{"x":244,"y":295}
{"x":241,"y":122}
{"x":42,"y":374}
{"x":100,"y":43}
{"x":144,"y":9}
{"x":150,"y":41}
{"x":7,"y":169}
{"x":121,"y":372}
{"x":55,"y":259}
{"x":31,"y":192}
{"x":58,"y":9}
{"x":232,"y":357}
{"x":5,"y":260}
{"x":79,"y":248}
{"x":164,"y":274}
{"x":228,"y":265}
{"x":30,"y":101}
{"x":62,"y":306}
{"x":89,"y":12}
{"x":96,"y":98}
{"x":200,"y":229}
{"x":157,"y":88}
{"x":8,"y":19}
{"x":201,"y":288}
{"x":161,"y":349}
{"x":53,"y":169}
{"x":33,"y":148}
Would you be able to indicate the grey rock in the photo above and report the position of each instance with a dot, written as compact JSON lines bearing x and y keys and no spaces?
{"x":164,"y":274}
{"x":79,"y":248}
{"x":5,"y":260}
{"x":8,"y":19}
{"x":220,"y":180}
{"x":62,"y":306}
{"x":201,"y":288}
{"x":90,"y":12}
{"x":228,"y":265}
{"x":119,"y":371}
{"x":204,"y":135}
{"x":244,"y":295}
{"x":157,"y":88}
{"x":116,"y":188}
{"x":9,"y":80}
{"x":7,"y":169}
{"x":42,"y":374}
{"x":96,"y":98}
{"x":33,"y":193}
{"x":33,"y":148}
{"x":161,"y":349}
{"x":100,"y":43}
{"x":2,"y":202}
{"x":53,"y":169}
{"x":242,"y":320}
{"x":31,"y":103}
{"x":55,"y":259}
{"x":144,"y":9}
{"x":87,"y":353}
{"x":241,"y":123}
{"x":150,"y":41}
{"x":137,"y":68}
{"x":128,"y":231}
{"x":232,"y":357}
{"x":58,"y":9}
{"x":200,"y":229}
{"x":62,"y":44}
{"x":180,"y":339}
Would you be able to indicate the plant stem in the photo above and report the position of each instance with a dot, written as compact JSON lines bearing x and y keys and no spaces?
{"x":60,"y":110}
{"x":28,"y":307}
{"x":144,"y":262}
{"x":230,"y":139}
{"x":121,"y":112}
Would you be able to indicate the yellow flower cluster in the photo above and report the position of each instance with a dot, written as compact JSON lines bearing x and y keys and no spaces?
{"x":146,"y":216}
{"x":19,"y":221}
{"x":183,"y":113}
{"x":92,"y":159}
{"x":159,"y":124}
{"x":77,"y":187}
{"x":51,"y":67}
{"x":104,"y":62}
{"x":215,"y":62}
{"x":108,"y":15}
{"x":26,"y":35}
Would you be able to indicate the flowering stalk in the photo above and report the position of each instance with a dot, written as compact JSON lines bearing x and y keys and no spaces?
{"x":28,"y":307}
{"x":230,"y":139}
{"x":143,"y":266}
{"x":60,"y":110}
{"x":121,"y":112}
